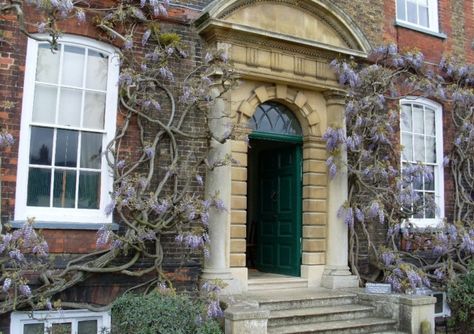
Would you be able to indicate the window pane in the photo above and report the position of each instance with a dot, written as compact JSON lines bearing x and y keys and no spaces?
{"x":89,"y":190}
{"x":44,"y":105}
{"x":429,"y":183}
{"x":411,"y":12}
{"x":430,"y":122}
{"x":64,"y":188}
{"x":41,"y":145}
{"x":66,"y":148}
{"x":70,"y":107}
{"x":406,"y":118}
{"x":418,"y":183}
{"x":430,"y":210}
{"x":431,"y":149}
{"x":94,"y":110}
{"x":97,"y":68}
{"x":39,"y":185}
{"x":64,"y":328}
{"x":47,"y":67}
{"x":419,"y":204}
{"x":407,"y":147}
{"x":423,"y":16}
{"x":91,"y":149}
{"x":73,"y":66}
{"x":87,"y":327}
{"x":419,"y":148}
{"x":401,"y":10}
{"x":33,"y":329}
{"x":418,"y":121}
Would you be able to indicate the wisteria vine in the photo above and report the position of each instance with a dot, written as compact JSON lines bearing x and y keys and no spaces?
{"x":382,"y":194}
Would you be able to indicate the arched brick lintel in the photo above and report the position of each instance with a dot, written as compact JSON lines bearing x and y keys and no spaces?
{"x":293,"y":98}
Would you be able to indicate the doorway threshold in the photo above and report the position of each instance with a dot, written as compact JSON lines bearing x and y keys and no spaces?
{"x":268,"y":281}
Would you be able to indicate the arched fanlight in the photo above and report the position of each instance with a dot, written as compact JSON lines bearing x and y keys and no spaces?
{"x":273,"y":117}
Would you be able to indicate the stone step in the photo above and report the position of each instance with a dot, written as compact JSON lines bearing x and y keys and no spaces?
{"x":277,"y":283}
{"x":318,"y":314}
{"x":356,"y":326}
{"x":292,"y":299}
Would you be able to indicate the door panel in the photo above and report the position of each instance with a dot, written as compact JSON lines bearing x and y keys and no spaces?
{"x":279,"y":211}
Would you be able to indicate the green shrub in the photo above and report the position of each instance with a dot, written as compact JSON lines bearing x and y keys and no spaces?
{"x":461,"y":299}
{"x":158,"y":313}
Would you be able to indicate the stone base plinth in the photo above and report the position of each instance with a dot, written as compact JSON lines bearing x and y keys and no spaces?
{"x":339,"y":282}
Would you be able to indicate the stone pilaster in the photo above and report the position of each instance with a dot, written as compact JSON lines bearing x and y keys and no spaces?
{"x":336,"y":272}
{"x":218,"y":184}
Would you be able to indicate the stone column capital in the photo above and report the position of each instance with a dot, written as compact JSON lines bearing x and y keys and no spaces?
{"x":335,"y":97}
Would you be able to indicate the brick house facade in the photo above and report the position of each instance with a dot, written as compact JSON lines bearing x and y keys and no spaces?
{"x":262,"y":52}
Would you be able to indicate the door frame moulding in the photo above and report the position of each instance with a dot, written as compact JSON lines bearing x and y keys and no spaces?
{"x":314,"y":183}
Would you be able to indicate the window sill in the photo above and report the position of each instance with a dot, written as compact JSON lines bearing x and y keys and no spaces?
{"x":420,"y":29}
{"x":64,"y":225}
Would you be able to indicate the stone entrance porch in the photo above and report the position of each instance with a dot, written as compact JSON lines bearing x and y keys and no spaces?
{"x":284,"y":61}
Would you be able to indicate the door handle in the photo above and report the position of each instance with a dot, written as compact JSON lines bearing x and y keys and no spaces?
{"x":273,"y":196}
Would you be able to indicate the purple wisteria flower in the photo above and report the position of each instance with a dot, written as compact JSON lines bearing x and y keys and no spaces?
{"x":103,"y":236}
{"x":116,"y":244}
{"x":439,"y":273}
{"x":452,"y":231}
{"x":6,"y":284}
{"x":80,"y":16}
{"x":120,"y":164}
{"x":41,"y":27}
{"x":334,"y":138}
{"x":388,"y":258}
{"x":149,"y":152}
{"x":214,"y":310}
{"x":395,"y":282}
{"x":208,"y":57}
{"x":146,"y":36}
{"x":359,"y":215}
{"x":192,"y":241}
{"x":467,"y":243}
{"x":375,"y":210}
{"x":109,"y":208}
{"x":16,"y":255}
{"x":161,"y":207}
{"x":332,"y":167}
{"x":199,"y":179}
{"x":219,"y":204}
{"x":128,"y":43}
{"x":41,"y":249}
{"x":205,"y":218}
{"x":166,"y":73}
{"x":25,"y":290}
{"x":414,"y":279}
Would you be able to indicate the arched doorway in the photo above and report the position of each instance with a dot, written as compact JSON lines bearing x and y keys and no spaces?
{"x":274,"y":191}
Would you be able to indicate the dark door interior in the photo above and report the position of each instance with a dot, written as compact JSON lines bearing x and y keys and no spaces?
{"x":275,"y":180}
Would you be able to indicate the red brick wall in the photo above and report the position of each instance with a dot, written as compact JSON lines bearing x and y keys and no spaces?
{"x":12,"y":66}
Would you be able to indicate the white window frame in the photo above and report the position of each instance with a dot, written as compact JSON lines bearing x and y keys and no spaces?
{"x":19,"y":319}
{"x":439,"y":170}
{"x":433,"y":14}
{"x":65,"y":215}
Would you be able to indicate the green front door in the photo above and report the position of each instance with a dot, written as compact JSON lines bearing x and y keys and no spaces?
{"x":279,"y":210}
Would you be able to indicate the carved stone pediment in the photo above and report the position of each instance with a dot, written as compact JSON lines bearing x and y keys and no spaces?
{"x":286,"y":19}
{"x":290,"y":41}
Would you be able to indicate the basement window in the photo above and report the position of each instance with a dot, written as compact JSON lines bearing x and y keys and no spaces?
{"x":60,"y":322}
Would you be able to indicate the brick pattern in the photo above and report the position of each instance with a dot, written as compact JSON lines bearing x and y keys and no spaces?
{"x":238,"y":229}
{"x":314,"y":203}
